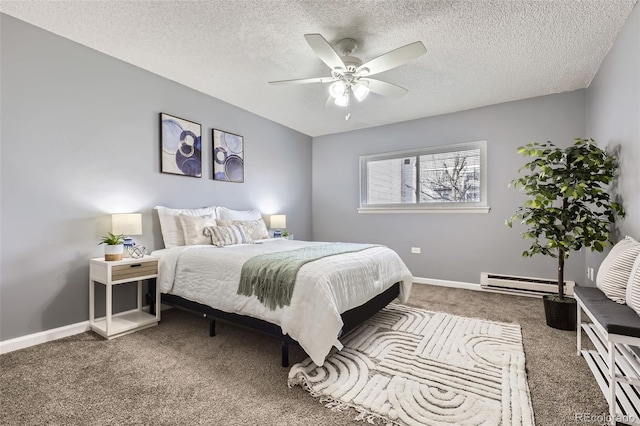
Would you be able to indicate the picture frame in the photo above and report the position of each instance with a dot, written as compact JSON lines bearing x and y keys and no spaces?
{"x":180,"y":146}
{"x":228,"y":156}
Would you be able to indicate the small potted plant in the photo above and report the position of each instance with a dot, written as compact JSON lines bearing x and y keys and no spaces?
{"x":568,"y":208}
{"x":287,"y":235}
{"x":114,"y":246}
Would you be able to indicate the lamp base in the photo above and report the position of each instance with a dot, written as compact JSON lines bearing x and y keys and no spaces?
{"x":277,"y":233}
{"x":128,"y":245}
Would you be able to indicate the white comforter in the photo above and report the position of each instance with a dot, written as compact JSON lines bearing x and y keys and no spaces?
{"x":324,"y":289}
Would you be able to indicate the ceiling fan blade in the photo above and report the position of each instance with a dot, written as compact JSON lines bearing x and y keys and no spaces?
{"x":305,"y":80}
{"x":393,"y":59}
{"x":385,"y":89}
{"x":324,"y":51}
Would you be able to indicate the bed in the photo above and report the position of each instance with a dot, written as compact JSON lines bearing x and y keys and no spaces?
{"x":331,"y":296}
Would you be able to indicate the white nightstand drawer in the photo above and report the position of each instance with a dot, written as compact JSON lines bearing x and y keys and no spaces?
{"x":134,"y":270}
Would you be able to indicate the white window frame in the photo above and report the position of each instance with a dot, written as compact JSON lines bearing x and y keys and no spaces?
{"x":430,"y":207}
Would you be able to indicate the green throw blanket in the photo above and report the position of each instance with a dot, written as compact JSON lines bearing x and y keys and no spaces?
{"x":272,"y":277}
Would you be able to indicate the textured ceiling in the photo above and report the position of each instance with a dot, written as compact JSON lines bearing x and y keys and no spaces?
{"x":478,"y":52}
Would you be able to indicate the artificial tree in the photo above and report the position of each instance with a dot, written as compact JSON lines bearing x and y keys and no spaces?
{"x":568,"y":206}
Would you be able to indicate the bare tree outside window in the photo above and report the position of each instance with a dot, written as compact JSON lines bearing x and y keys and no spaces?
{"x":450,"y":177}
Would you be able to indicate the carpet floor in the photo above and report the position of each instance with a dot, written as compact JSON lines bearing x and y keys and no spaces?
{"x":174,"y":374}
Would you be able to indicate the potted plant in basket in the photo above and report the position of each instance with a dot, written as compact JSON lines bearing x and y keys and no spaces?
{"x":568,"y":208}
{"x":114,"y":247}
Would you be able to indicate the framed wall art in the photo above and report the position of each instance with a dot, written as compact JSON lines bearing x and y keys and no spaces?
{"x":181,"y":146}
{"x":228,"y":156}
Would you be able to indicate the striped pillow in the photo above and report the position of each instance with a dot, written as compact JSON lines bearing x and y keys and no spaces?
{"x":633,"y":287}
{"x":615,"y":269}
{"x":228,"y":235}
{"x":257,"y":228}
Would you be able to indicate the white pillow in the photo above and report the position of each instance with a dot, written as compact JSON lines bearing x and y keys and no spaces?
{"x":170,"y":225}
{"x":193,"y":228}
{"x":633,"y":287}
{"x":614,"y":271}
{"x":224,"y":213}
{"x":257,"y":228}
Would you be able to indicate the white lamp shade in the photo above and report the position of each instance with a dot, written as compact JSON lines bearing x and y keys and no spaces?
{"x":342,"y":100}
{"x":360,"y":91}
{"x":278,"y":221}
{"x":337,"y":89}
{"x":126,"y":224}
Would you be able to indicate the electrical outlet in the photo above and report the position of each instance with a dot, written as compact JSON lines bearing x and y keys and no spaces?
{"x":591,"y":274}
{"x":415,"y":250}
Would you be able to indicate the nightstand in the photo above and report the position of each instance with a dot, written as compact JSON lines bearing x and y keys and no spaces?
{"x":111,"y":273}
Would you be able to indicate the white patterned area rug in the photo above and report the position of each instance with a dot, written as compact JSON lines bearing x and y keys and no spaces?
{"x":409,"y":366}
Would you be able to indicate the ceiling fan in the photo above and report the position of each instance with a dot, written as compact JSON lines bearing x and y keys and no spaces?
{"x":350,"y":76}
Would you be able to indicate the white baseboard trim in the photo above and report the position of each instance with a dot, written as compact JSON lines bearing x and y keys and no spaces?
{"x":446,"y":283}
{"x":471,"y":286}
{"x":22,"y":342}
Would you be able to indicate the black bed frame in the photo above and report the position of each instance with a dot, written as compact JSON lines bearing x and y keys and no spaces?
{"x":351,"y":318}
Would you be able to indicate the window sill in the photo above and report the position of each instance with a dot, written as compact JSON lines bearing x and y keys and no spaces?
{"x":387,"y":210}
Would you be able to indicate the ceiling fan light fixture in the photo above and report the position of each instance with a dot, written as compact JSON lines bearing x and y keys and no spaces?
{"x":343,"y":100}
{"x":360,"y":91}
{"x":337,"y":89}
{"x":350,"y":75}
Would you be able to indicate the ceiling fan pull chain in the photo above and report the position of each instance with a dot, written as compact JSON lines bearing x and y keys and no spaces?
{"x":348,"y":115}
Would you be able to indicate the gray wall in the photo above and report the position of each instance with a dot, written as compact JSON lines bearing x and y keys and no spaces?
{"x":613,"y":119}
{"x":80,"y":140}
{"x":456,"y":247}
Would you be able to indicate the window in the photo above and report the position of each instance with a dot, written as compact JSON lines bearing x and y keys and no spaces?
{"x":435,"y":179}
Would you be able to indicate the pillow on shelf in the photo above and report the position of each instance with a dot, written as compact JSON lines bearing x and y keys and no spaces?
{"x":224,"y":213}
{"x":613,"y":274}
{"x":257,"y":228}
{"x":228,"y":235}
{"x":170,"y":226}
{"x":193,"y":228}
{"x":633,"y":287}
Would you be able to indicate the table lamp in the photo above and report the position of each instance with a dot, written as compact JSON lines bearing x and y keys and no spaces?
{"x":127,"y":224}
{"x":278,"y":221}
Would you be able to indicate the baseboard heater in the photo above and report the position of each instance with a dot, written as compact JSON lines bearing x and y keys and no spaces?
{"x":526,"y":285}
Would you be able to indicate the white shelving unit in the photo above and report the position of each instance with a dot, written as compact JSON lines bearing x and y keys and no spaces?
{"x":614,"y":350}
{"x":112,"y":273}
{"x":627,"y":375}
